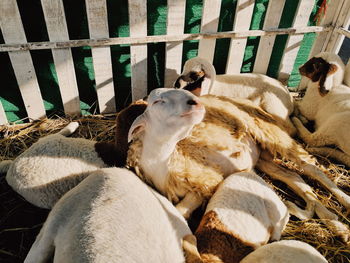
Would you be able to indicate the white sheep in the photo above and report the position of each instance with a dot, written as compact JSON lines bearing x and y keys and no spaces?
{"x":199,"y":76}
{"x":243,"y":214}
{"x":327,"y":102}
{"x":111,"y":216}
{"x":55,"y":164}
{"x":52,"y":166}
{"x":186,"y":158}
{"x":285,"y":251}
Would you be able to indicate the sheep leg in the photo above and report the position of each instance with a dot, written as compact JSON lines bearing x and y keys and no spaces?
{"x":314,"y":172}
{"x":42,"y":249}
{"x":189,"y":246}
{"x":69,"y":129}
{"x":189,"y":203}
{"x":337,"y":227}
{"x":5,"y":166}
{"x":294,"y":181}
{"x":298,"y":114}
{"x":311,"y":139}
{"x":333,"y":153}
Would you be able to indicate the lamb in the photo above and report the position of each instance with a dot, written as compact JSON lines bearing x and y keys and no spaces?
{"x":243,"y":214}
{"x":111,"y":216}
{"x":285,"y":251}
{"x":55,"y":164}
{"x":327,"y":102}
{"x":185,"y":158}
{"x":199,"y":76}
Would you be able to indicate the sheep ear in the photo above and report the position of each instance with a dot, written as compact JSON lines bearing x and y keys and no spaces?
{"x":136,"y":127}
{"x":332,"y":69}
{"x":326,"y":82}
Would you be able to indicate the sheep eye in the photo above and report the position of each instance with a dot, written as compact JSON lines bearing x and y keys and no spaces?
{"x":157,"y":101}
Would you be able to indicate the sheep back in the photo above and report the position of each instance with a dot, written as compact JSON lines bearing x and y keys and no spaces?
{"x":52,"y":166}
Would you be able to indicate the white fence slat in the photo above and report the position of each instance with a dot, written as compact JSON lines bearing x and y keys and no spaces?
{"x":293,"y":43}
{"x":272,"y":20}
{"x":210,"y":21}
{"x":343,"y":20}
{"x":138,"y":53}
{"x":3,"y":119}
{"x":175,"y":26}
{"x":101,"y":56}
{"x":243,"y":17}
{"x":330,"y":17}
{"x":57,"y":30}
{"x":13,"y":32}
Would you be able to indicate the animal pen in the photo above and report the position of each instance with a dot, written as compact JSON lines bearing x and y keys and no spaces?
{"x":93,"y":57}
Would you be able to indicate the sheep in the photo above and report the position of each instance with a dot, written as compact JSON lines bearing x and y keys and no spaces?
{"x":243,"y":214}
{"x":185,"y":158}
{"x":285,"y":251}
{"x":55,"y":164}
{"x":199,"y":76}
{"x":111,"y":216}
{"x":327,"y":102}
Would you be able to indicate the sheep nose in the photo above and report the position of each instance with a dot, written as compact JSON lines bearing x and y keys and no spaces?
{"x":192,"y":102}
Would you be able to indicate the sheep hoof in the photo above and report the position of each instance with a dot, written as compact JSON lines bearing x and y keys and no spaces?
{"x":189,"y":247}
{"x":339,"y":229}
{"x":69,"y":129}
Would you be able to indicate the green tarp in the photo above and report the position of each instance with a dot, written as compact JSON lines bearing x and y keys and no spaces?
{"x":33,"y":21}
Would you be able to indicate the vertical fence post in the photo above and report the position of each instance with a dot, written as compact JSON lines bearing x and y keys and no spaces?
{"x":210,"y":21}
{"x":243,"y":17}
{"x":57,"y":29}
{"x":175,"y":25}
{"x":293,"y":44}
{"x":3,"y":119}
{"x":101,"y":56}
{"x":13,"y":32}
{"x":272,"y":20}
{"x":138,"y":53}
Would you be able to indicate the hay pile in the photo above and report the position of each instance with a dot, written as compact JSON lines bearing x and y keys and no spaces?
{"x":20,"y":222}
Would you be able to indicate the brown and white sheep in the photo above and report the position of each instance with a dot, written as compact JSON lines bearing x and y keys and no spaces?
{"x":185,"y":158}
{"x":199,"y":77}
{"x":327,"y":102}
{"x":243,"y":214}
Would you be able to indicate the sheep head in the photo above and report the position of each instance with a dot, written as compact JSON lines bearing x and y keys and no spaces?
{"x":169,"y":113}
{"x":326,"y":68}
{"x":197,"y":76}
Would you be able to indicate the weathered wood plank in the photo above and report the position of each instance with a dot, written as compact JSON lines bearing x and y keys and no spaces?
{"x":101,"y":56}
{"x":243,"y":17}
{"x":138,"y":53}
{"x":329,"y":18}
{"x":175,"y":26}
{"x":13,"y":32}
{"x":210,"y":21}
{"x":3,"y":119}
{"x":57,"y":30}
{"x":293,"y":43}
{"x":161,"y":38}
{"x":343,"y":20}
{"x":272,"y":20}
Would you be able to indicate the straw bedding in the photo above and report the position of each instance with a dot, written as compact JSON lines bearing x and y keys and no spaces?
{"x":20,"y":222}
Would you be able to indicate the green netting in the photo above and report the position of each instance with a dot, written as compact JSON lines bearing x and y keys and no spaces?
{"x":35,"y":29}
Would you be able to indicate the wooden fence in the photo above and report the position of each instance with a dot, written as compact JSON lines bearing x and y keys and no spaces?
{"x":331,"y":30}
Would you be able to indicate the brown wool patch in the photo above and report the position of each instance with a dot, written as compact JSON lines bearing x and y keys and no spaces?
{"x":215,"y":240}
